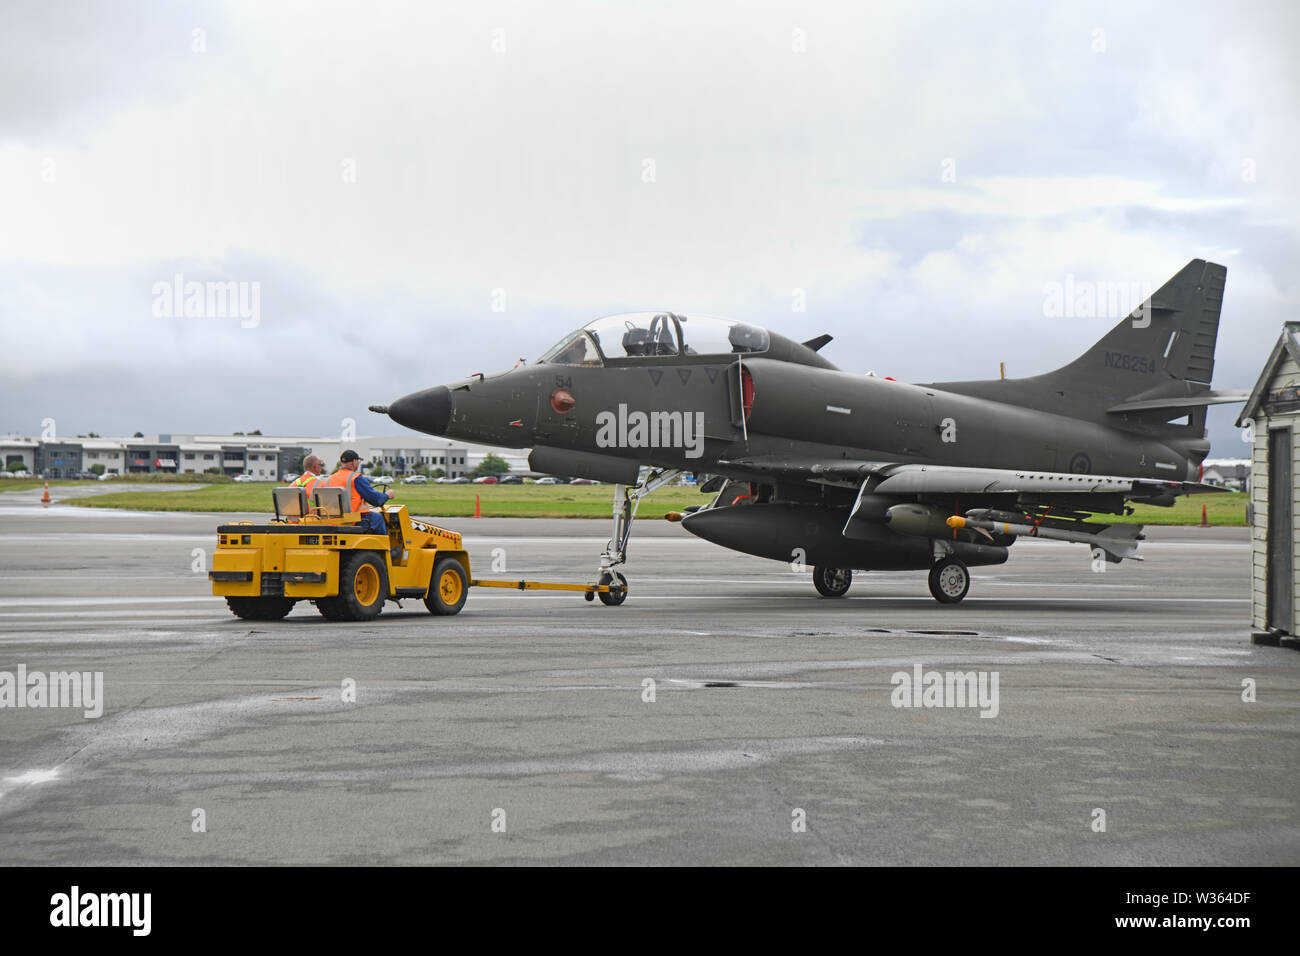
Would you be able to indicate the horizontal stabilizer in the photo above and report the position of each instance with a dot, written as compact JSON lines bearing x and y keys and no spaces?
{"x":1173,"y":403}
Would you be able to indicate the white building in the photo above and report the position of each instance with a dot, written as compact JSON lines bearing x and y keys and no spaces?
{"x":263,"y":457}
{"x":98,"y":451}
{"x":19,"y":449}
{"x":1231,"y":473}
{"x":1272,"y":414}
{"x":272,"y":456}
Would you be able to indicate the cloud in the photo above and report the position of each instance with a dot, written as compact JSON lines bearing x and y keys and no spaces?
{"x":382,"y":171}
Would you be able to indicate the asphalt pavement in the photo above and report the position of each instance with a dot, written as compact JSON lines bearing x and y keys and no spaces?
{"x":724,"y":714}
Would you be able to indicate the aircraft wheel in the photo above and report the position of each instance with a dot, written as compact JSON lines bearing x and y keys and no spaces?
{"x":448,"y":589}
{"x":618,"y":589}
{"x":832,"y":582}
{"x":363,"y":588}
{"x":259,"y":608}
{"x":949,"y":580}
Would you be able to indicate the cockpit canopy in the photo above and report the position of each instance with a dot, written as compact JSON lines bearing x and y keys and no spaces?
{"x":634,"y":335}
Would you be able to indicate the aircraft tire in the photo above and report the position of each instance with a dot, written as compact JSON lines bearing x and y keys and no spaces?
{"x":618,"y":594}
{"x":832,"y":582}
{"x":949,"y":580}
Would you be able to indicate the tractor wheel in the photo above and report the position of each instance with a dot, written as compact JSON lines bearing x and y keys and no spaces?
{"x":363,"y":588}
{"x":832,"y":582}
{"x":448,"y":588}
{"x":260,"y":608}
{"x":329,"y":609}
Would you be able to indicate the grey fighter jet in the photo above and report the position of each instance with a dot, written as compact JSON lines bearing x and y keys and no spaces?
{"x":842,"y":472}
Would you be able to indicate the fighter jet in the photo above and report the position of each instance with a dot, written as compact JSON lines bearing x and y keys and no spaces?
{"x":844,"y":472}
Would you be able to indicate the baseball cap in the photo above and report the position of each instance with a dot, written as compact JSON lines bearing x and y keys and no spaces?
{"x":349,"y":455}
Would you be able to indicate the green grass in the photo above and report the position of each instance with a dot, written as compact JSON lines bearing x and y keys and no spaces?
{"x":450,"y":501}
{"x":1226,"y":508}
{"x":22,"y":484}
{"x":555,"y":501}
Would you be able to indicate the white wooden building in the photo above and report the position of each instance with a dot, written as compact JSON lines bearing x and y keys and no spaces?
{"x":1272,"y":420}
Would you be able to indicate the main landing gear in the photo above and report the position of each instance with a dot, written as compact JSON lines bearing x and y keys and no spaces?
{"x":626,"y":500}
{"x":949,"y":576}
{"x":949,"y":580}
{"x":832,"y":582}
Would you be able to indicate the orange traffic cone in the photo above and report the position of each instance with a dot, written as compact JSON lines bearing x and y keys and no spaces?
{"x":45,"y":498}
{"x":1205,"y":521}
{"x":478,"y":512}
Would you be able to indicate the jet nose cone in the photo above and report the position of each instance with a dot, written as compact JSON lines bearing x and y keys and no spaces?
{"x":428,"y":411}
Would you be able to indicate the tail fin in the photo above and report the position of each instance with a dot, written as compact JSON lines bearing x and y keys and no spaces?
{"x":1153,"y":367}
{"x":1164,"y":348}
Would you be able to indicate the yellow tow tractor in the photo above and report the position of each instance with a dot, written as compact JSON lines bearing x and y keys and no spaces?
{"x":315,"y":551}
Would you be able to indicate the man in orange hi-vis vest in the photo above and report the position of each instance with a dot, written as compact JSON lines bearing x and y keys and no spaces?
{"x":312,"y":468}
{"x":359,"y":491}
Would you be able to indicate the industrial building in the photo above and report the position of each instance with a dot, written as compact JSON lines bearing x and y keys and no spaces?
{"x":261,"y":457}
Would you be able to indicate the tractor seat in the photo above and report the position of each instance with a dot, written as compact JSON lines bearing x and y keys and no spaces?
{"x":290,"y":503}
{"x":329,"y":502}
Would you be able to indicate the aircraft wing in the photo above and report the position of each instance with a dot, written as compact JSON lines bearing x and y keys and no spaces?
{"x":939,"y":479}
{"x":909,"y":479}
{"x":807,"y":468}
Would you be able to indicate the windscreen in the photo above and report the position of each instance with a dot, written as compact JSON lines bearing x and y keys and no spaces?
{"x":669,"y":334}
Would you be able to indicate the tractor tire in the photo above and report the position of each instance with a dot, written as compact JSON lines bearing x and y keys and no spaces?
{"x":328,"y":609}
{"x":363,"y":588}
{"x":448,"y":588}
{"x":259,"y":608}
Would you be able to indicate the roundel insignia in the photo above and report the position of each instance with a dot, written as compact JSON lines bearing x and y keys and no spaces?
{"x":1080,"y":464}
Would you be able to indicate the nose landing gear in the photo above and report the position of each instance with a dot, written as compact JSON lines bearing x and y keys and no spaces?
{"x":626,"y":500}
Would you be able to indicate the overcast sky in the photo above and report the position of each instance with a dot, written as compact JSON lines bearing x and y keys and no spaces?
{"x":388,"y":174}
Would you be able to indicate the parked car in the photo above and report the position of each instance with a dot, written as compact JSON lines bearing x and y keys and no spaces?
{"x":486,"y":480}
{"x":510,"y":480}
{"x":243,"y":478}
{"x":416,"y":480}
{"x":382,"y":480}
{"x":292,"y":476}
{"x":583,"y":481}
{"x":462,"y":480}
{"x":548,"y":480}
